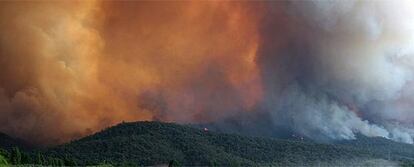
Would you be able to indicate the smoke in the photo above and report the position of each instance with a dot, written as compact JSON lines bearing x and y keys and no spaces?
{"x":341,"y":69}
{"x":71,"y":68}
{"x":323,"y":69}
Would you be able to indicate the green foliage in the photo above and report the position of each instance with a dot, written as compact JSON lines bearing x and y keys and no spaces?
{"x":40,"y":159}
{"x":16,"y":156}
{"x":384,"y":148}
{"x":3,"y":161}
{"x":154,"y":143}
{"x":408,"y":165}
{"x":8,"y":143}
{"x":174,"y":163}
{"x":4,"y":153}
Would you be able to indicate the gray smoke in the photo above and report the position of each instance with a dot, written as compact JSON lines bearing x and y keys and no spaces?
{"x":321,"y":69}
{"x":336,"y":68}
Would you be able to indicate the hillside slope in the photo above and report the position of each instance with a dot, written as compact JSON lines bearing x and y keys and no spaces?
{"x":7,"y":142}
{"x":151,"y":143}
{"x":382,"y":147}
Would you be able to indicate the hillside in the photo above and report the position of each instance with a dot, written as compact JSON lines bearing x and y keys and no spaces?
{"x":3,"y":161}
{"x":382,"y":147}
{"x":152,"y":143}
{"x":378,"y":146}
{"x":7,"y":142}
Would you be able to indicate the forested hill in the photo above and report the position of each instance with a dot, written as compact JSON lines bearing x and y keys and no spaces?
{"x":382,"y":147}
{"x":152,"y":143}
{"x":155,"y":143}
{"x":7,"y":142}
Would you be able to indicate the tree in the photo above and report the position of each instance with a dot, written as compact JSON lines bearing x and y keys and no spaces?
{"x":3,"y":161}
{"x":5,"y":154}
{"x":16,"y":156}
{"x":68,"y":161}
{"x":40,"y":159}
{"x":174,"y":163}
{"x":25,"y":158}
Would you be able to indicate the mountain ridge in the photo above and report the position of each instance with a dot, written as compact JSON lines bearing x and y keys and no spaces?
{"x":7,"y":142}
{"x":153,"y":143}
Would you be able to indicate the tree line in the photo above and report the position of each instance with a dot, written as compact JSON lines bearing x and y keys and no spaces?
{"x":18,"y":157}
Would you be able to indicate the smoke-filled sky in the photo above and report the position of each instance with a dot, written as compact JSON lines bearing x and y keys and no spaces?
{"x":322,"y":69}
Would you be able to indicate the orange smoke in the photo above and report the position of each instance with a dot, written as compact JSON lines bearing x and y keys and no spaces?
{"x":71,"y":68}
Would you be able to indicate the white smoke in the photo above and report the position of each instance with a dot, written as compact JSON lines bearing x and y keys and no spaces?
{"x":347,"y":69}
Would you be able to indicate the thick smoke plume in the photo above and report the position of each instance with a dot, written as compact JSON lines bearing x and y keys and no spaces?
{"x":343,"y":68}
{"x":322,"y":69}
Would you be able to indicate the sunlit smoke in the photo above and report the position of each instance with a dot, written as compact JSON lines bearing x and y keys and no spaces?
{"x":71,"y":68}
{"x":323,"y":69}
{"x":341,"y":68}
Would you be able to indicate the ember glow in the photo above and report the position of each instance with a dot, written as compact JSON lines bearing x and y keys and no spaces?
{"x":325,"y":70}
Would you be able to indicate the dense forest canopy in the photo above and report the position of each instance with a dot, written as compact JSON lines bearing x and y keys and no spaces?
{"x":153,"y":143}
